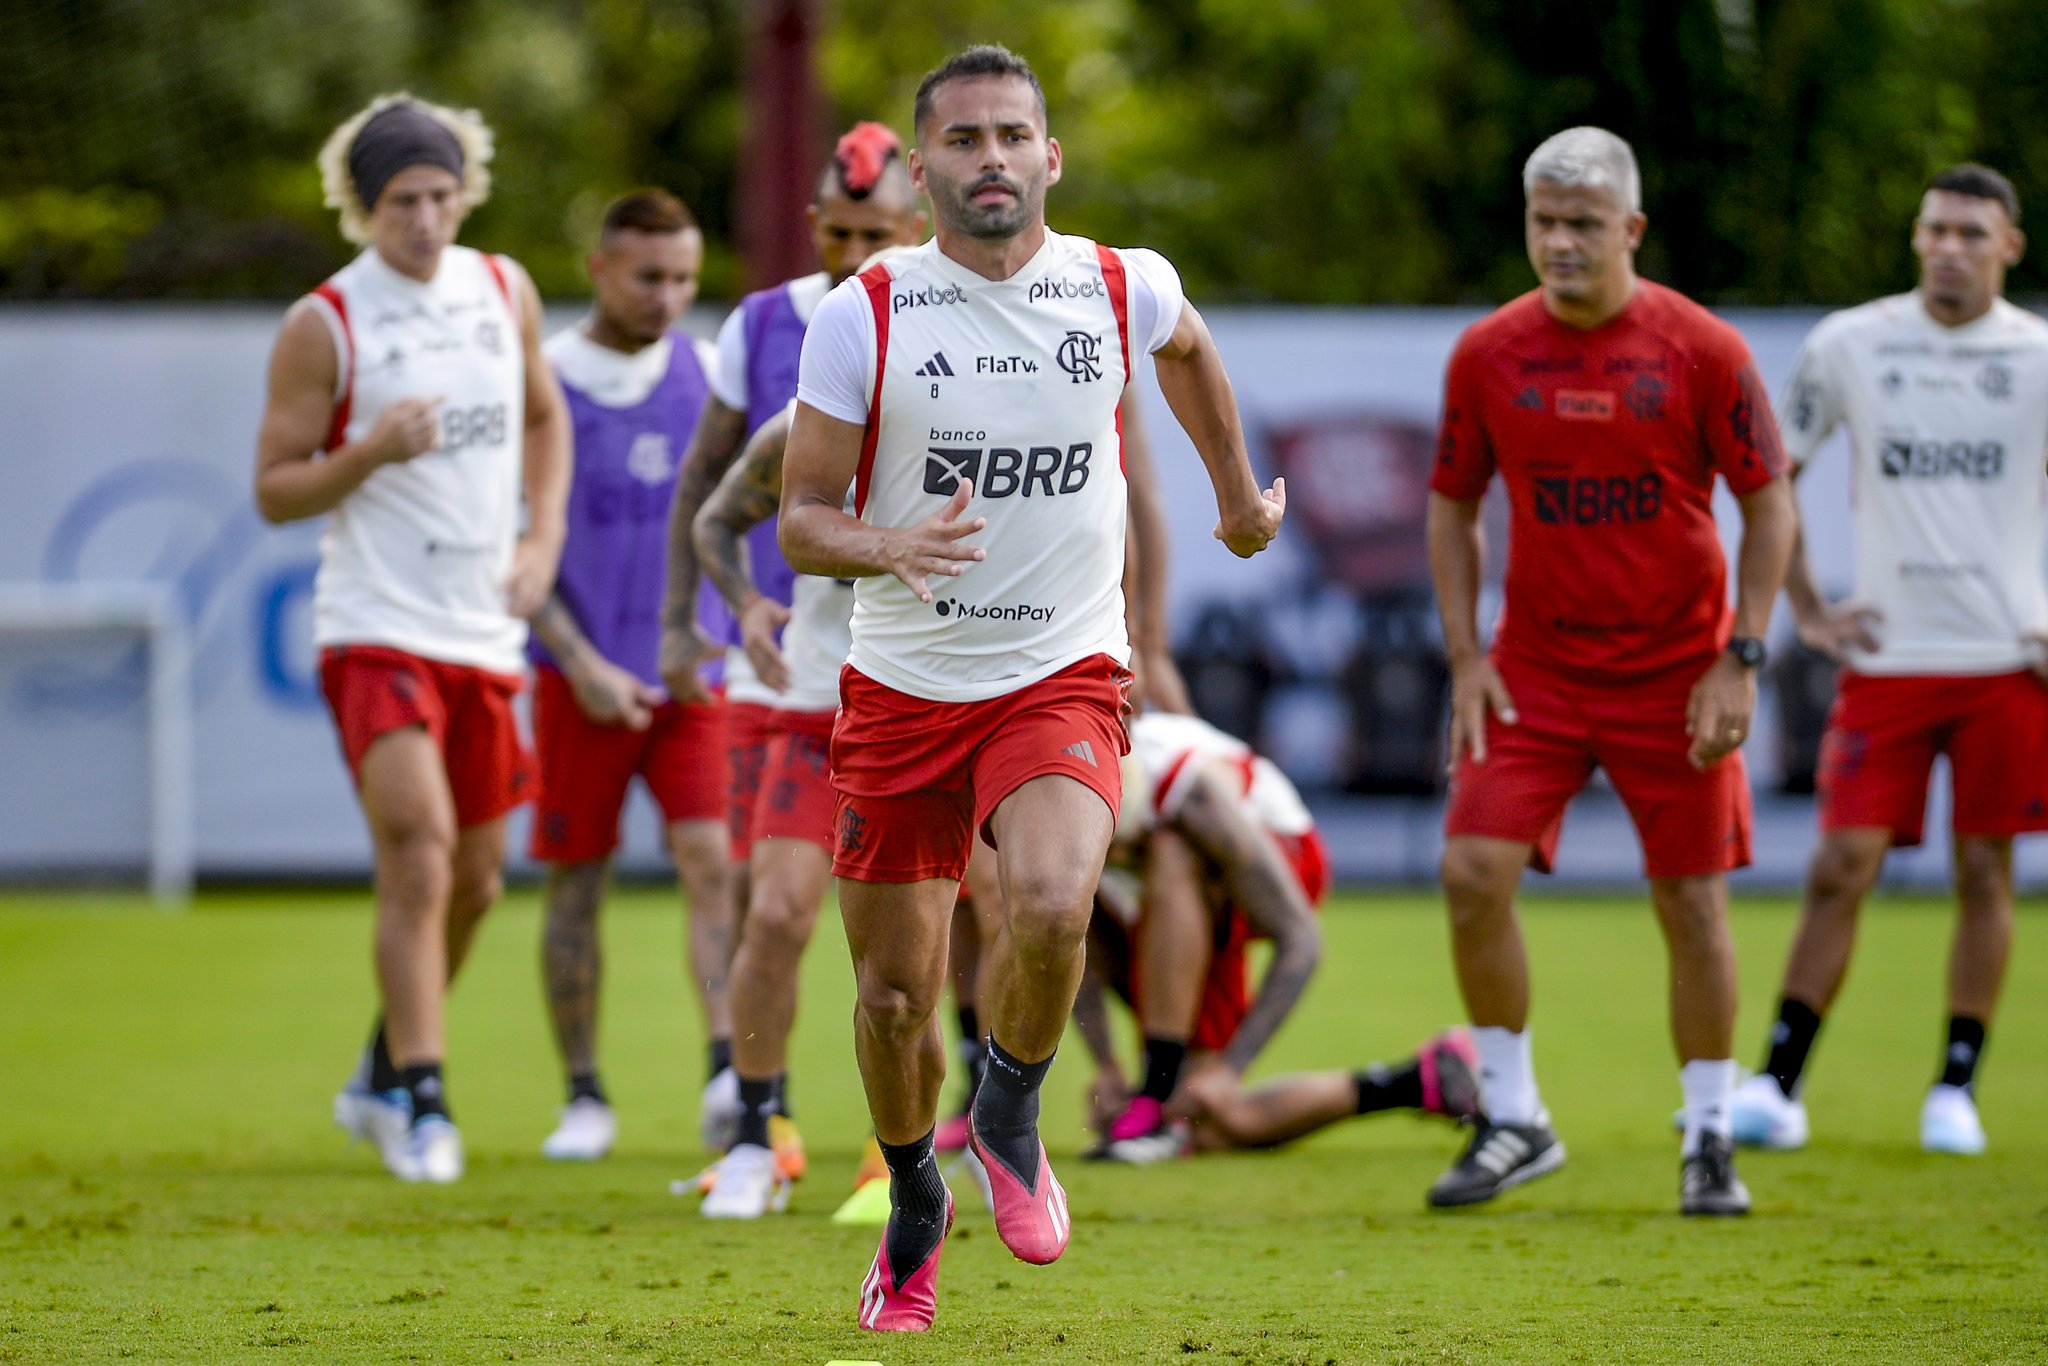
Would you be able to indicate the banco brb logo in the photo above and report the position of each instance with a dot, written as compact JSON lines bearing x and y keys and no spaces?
{"x":1080,"y":355}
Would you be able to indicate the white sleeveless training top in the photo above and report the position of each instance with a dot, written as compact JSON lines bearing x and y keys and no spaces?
{"x":416,"y":557}
{"x":1013,"y":384}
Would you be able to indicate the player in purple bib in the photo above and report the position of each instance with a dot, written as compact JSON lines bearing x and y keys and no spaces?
{"x":601,"y":717}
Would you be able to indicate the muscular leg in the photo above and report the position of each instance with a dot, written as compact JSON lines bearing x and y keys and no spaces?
{"x":898,"y":932}
{"x":1984,"y":930}
{"x":1277,"y":1111}
{"x":572,"y":960}
{"x":1844,"y":868}
{"x":703,"y":866}
{"x":1480,"y":876}
{"x":479,"y":864}
{"x":1174,"y":939}
{"x":788,"y":879}
{"x":1693,"y":913}
{"x":404,"y":791}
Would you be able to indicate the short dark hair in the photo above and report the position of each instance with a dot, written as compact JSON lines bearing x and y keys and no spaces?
{"x":646,"y":210}
{"x":1979,"y":182}
{"x":985,"y":59}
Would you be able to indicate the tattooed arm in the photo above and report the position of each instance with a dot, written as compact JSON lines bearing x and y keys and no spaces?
{"x":1263,"y":887}
{"x":747,"y":496}
{"x":607,"y":694}
{"x":714,"y":444}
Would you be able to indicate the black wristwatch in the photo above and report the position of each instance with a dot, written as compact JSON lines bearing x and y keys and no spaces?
{"x":1749,"y":652}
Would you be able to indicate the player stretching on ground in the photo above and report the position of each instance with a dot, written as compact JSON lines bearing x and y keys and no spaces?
{"x":1224,"y":852}
{"x":1608,"y":404}
{"x":1945,"y":393}
{"x":635,"y":388}
{"x":983,"y":370}
{"x":864,"y":202}
{"x":408,"y":397}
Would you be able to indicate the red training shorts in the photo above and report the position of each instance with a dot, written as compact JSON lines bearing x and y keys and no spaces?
{"x":1226,"y":991}
{"x":585,"y":769}
{"x":748,"y":728}
{"x":917,"y":778}
{"x":1691,"y":823}
{"x":1884,"y":731}
{"x":796,"y":801}
{"x":467,"y":711}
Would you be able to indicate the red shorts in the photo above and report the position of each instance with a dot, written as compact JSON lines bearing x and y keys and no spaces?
{"x":748,"y":728}
{"x":1690,"y":823}
{"x":372,"y":689}
{"x":796,"y":801}
{"x":1226,"y":991}
{"x":916,"y":778}
{"x":1884,"y":732}
{"x":585,"y":769}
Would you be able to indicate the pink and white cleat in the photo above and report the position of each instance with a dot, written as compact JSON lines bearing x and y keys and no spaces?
{"x":951,"y":1135}
{"x":1032,"y":1218}
{"x":1450,"y":1075}
{"x":886,"y":1307}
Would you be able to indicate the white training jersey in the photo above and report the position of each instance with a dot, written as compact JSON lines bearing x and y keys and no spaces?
{"x":1170,"y":750}
{"x":1012,"y":384}
{"x":816,"y":642}
{"x":416,"y":557}
{"x":1948,"y":428}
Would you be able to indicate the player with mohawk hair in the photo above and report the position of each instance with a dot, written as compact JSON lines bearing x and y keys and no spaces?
{"x":864,"y":203}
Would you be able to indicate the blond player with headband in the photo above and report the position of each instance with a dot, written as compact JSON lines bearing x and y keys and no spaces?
{"x":408,"y":398}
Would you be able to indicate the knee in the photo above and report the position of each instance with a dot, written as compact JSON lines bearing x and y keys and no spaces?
{"x":476,"y":890}
{"x":777,"y":922}
{"x":1477,"y":887}
{"x":1691,"y":911}
{"x":1843,"y":870}
{"x":1983,"y":879}
{"x":893,"y":1009}
{"x":1045,"y":920}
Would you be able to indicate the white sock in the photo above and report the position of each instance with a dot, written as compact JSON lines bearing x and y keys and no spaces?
{"x":1507,"y":1077}
{"x":1709,"y":1089}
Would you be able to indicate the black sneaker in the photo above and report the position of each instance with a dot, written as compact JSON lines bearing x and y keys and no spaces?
{"x":1707,"y":1183}
{"x":1499,"y":1156}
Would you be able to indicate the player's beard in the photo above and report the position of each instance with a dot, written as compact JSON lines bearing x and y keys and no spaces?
{"x":994,"y":222}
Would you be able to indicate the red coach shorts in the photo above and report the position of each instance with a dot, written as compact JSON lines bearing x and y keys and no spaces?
{"x":1690,"y":823}
{"x":585,"y":769}
{"x":1226,"y":991}
{"x":748,"y":728}
{"x":1884,"y":731}
{"x":796,"y":800}
{"x":372,"y":689}
{"x":917,"y":778}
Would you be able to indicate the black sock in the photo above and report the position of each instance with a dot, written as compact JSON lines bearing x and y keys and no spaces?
{"x":782,"y":1096}
{"x":585,"y":1086}
{"x":757,"y":1102}
{"x":383,"y":1072}
{"x":973,"y":1052}
{"x":1006,"y":1111}
{"x":917,"y":1205}
{"x":423,"y":1080}
{"x":1791,"y":1040}
{"x":1965,"y":1046}
{"x":1163,"y":1059}
{"x":720,"y":1058}
{"x":1378,"y":1088}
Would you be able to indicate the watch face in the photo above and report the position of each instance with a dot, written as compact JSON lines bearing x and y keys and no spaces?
{"x":1748,"y":649}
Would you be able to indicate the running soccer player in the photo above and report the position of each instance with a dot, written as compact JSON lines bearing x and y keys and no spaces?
{"x":409,"y":398}
{"x":983,"y":369}
{"x":1220,"y":850}
{"x":1945,"y":394}
{"x":635,"y":387}
{"x":1608,"y":404}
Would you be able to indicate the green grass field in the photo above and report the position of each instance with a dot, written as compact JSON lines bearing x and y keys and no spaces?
{"x":170,"y":1188}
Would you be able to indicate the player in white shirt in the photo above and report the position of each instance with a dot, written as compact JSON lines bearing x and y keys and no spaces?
{"x":408,"y":397}
{"x":966,"y":393}
{"x":1944,"y":392}
{"x":1214,"y":849}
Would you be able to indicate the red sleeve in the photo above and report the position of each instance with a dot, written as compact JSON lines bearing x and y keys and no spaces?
{"x":1464,"y":455}
{"x":1735,"y":419}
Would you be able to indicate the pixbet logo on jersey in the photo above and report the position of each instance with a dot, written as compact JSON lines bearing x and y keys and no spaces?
{"x":1002,"y":471}
{"x":926,"y":298}
{"x":1090,"y":288}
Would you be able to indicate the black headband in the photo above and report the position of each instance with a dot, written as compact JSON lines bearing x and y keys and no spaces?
{"x":397,"y":136}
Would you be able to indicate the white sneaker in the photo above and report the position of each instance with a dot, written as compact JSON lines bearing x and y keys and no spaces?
{"x":380,"y":1117}
{"x":587,"y":1131}
{"x":1762,"y":1116}
{"x":720,"y":1118}
{"x":746,"y":1184}
{"x":433,"y":1152}
{"x":1949,"y":1123}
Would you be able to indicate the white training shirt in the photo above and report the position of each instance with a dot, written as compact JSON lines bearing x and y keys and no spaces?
{"x":1170,"y":749}
{"x":729,"y":378}
{"x":1948,"y":428}
{"x":1013,"y":384}
{"x":816,"y":642}
{"x":416,"y":557}
{"x":618,"y":379}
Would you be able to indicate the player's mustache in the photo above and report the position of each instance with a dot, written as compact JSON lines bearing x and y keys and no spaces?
{"x":997,"y":181}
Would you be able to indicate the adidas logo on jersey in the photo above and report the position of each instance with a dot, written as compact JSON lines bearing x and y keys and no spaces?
{"x":1083,"y":751}
{"x":935,"y":368}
